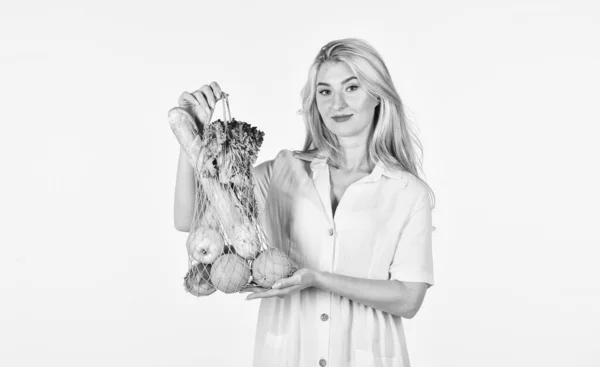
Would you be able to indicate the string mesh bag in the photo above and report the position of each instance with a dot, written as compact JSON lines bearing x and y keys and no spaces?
{"x":227,"y":248}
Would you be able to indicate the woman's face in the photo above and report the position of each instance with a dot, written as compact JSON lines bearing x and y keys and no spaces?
{"x":339,"y":93}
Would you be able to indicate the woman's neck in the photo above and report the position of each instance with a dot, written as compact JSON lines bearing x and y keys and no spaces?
{"x":354,"y":157}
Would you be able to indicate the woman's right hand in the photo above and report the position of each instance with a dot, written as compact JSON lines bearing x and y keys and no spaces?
{"x":201,"y":103}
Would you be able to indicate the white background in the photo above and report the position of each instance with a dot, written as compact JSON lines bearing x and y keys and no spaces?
{"x":504,"y":94}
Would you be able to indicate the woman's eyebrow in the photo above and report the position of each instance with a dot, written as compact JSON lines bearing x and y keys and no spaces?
{"x":345,"y":81}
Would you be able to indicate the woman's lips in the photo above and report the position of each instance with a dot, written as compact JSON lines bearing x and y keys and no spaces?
{"x":342,"y":119}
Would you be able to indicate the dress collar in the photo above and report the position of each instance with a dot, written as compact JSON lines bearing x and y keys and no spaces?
{"x":319,"y":164}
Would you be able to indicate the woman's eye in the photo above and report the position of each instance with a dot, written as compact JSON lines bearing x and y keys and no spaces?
{"x":325,"y":90}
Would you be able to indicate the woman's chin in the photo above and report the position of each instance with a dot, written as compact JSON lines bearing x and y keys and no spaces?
{"x":342,"y":132}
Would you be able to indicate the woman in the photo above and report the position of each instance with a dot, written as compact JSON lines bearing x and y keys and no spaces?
{"x":349,"y":210}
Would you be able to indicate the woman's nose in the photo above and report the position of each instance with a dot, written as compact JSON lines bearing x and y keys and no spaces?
{"x":339,"y":102}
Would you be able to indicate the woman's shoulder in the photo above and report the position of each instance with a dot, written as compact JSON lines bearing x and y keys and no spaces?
{"x":288,"y":154}
{"x":405,"y":183}
{"x":308,"y":155}
{"x":297,"y":154}
{"x":418,"y":189}
{"x":284,"y":158}
{"x":267,"y":165}
{"x":265,"y":168}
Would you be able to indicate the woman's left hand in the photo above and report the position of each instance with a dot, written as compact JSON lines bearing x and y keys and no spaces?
{"x":302,"y":278}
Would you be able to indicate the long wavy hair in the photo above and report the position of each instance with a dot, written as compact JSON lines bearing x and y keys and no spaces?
{"x":391,"y":139}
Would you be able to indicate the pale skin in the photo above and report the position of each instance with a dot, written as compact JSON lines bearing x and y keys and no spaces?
{"x":341,"y":96}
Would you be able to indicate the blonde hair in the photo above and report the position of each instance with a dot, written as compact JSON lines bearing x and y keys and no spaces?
{"x":392,"y":139}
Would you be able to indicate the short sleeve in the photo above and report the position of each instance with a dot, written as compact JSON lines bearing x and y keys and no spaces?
{"x":262,"y":177}
{"x":413,"y":257}
{"x":262,"y":174}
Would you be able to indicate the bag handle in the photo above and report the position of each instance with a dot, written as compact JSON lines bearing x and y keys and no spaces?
{"x":226,"y":121}
{"x":226,"y":104}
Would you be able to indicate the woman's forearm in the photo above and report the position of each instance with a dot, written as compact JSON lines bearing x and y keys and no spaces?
{"x":386,"y":295}
{"x":185,"y":192}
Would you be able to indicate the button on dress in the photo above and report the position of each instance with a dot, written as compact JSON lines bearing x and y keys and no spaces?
{"x":381,"y":230}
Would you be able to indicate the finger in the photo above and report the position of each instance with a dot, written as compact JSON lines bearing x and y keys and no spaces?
{"x":254,"y":286}
{"x":286,"y":292}
{"x":252,"y":289}
{"x":209,"y":94}
{"x":187,"y":100}
{"x":216,"y":90}
{"x":287,"y":282}
{"x":264,"y":294}
{"x":273,"y":293}
{"x":202,"y":102}
{"x":191,"y":104}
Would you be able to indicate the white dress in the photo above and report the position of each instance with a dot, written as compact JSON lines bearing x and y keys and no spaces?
{"x":381,"y":230}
